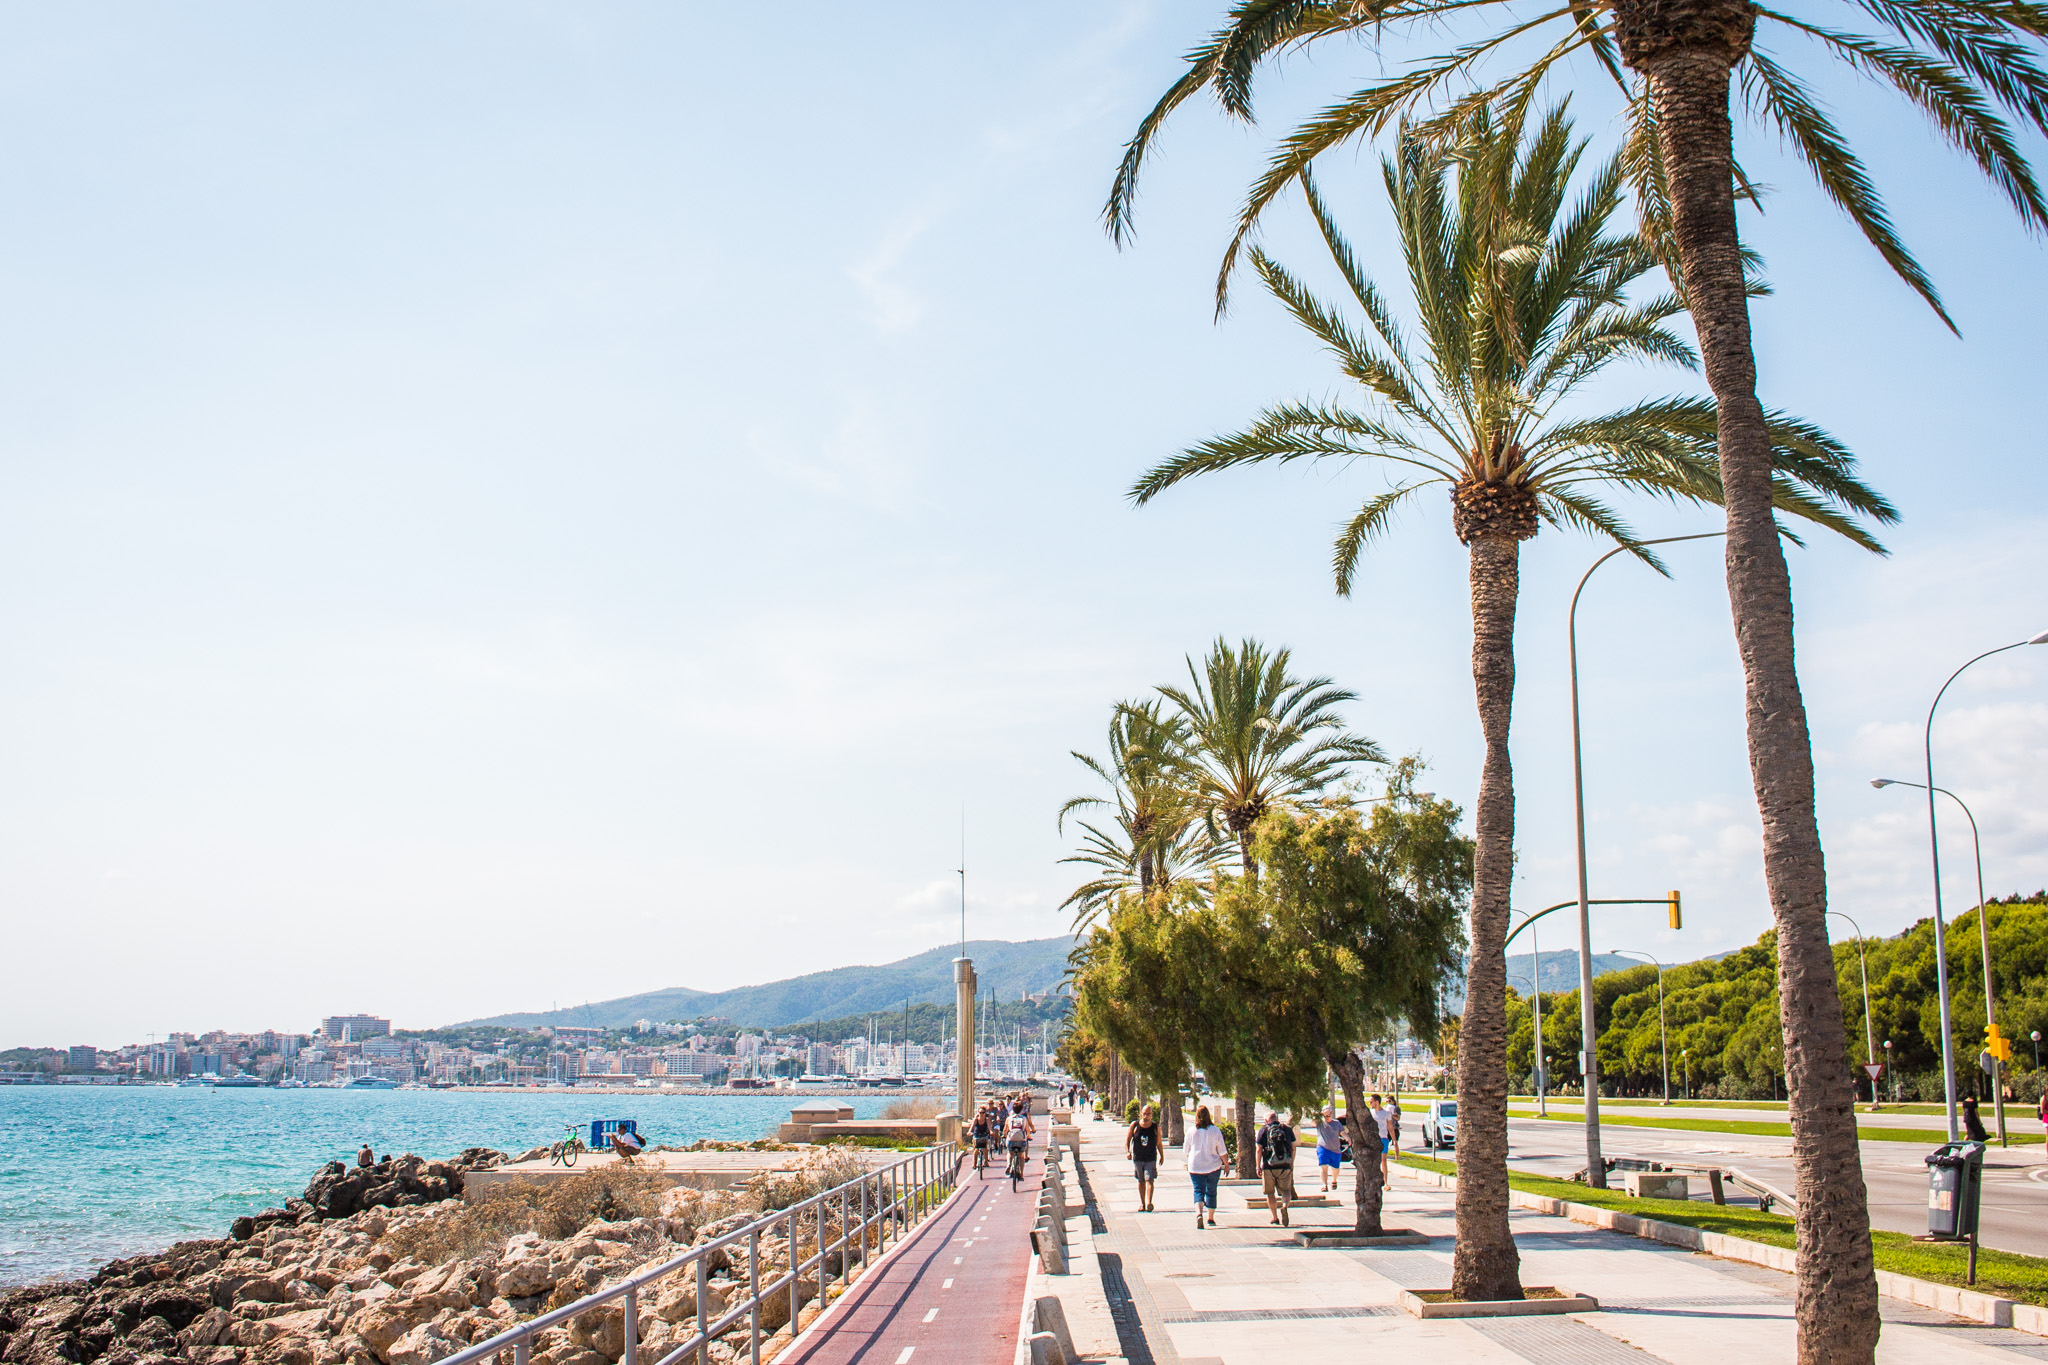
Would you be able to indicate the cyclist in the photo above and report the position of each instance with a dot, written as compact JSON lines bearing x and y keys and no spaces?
{"x":1017,"y":1133}
{"x":983,"y":1133}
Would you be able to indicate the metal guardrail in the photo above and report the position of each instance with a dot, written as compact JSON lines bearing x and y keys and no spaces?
{"x":887,"y":1202}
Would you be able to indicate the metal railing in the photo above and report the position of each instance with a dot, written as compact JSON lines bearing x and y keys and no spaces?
{"x":872,"y":1211}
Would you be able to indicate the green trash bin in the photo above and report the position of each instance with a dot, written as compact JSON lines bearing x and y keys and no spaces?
{"x":1955,"y":1186}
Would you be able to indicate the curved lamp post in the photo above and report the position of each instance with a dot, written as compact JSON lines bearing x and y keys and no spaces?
{"x":1596,"y":1169}
{"x":1869,"y":1047}
{"x":1984,"y":940}
{"x":1948,"y":1070}
{"x":1663,"y":1039}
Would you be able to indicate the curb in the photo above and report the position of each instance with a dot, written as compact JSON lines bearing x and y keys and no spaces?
{"x":1990,"y":1309}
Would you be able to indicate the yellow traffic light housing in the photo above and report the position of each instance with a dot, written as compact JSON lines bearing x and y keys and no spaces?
{"x":1997,"y":1044}
{"x":1677,"y":919}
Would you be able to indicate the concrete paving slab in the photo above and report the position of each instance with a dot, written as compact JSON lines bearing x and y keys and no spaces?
{"x":1239,"y":1293}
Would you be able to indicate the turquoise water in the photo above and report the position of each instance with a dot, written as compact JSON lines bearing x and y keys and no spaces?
{"x":88,"y":1174}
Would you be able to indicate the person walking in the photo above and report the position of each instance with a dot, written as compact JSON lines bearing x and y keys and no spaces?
{"x":1393,"y":1132}
{"x":1329,"y":1148}
{"x":1205,"y":1155}
{"x":1276,"y":1167}
{"x":2042,"y":1111}
{"x":1382,"y":1119}
{"x":1141,"y":1145}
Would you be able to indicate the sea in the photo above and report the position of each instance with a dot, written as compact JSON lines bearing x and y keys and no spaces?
{"x":92,"y":1173}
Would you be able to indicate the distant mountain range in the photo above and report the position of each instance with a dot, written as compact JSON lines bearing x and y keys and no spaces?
{"x":1007,"y":971}
{"x":1558,"y":971}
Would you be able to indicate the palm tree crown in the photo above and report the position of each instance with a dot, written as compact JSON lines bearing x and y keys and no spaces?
{"x":1258,"y":737}
{"x":1155,"y":834}
{"x":1521,"y":295}
{"x":1958,"y":61}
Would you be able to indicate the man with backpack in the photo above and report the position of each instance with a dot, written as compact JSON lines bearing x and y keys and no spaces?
{"x":1276,"y":1167}
{"x":1141,"y":1145}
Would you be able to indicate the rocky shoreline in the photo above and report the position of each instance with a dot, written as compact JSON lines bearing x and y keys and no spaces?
{"x":387,"y":1265}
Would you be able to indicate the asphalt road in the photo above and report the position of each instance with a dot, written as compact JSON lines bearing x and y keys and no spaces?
{"x":2014,"y":1214}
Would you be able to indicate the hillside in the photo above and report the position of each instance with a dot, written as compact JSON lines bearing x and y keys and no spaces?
{"x":1007,"y":970}
{"x":1560,"y":972}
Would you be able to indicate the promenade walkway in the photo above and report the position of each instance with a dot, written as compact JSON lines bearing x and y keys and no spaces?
{"x":1245,"y":1292}
{"x":949,"y":1294}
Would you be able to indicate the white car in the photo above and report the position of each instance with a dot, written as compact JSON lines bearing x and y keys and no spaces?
{"x":1440,"y":1124}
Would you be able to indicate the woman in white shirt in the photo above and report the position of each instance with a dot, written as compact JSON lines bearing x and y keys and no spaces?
{"x":1205,"y":1154}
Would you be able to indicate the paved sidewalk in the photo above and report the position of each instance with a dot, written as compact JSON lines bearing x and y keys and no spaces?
{"x":952,"y":1293}
{"x":1244,"y":1292}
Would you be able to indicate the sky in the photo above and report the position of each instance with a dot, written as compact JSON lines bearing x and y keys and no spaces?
{"x":510,"y":504}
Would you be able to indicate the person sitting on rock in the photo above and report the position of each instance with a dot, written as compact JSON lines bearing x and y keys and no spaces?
{"x":366,"y":1157}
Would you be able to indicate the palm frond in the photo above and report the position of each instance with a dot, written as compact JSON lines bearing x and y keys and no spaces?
{"x":1370,"y":523}
{"x":1780,"y":97}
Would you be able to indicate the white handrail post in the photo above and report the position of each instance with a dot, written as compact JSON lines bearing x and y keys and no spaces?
{"x":754,"y":1282}
{"x":632,"y":1355}
{"x":703,"y":1319}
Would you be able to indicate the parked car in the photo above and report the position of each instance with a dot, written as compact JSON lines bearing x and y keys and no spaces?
{"x":1440,"y":1124}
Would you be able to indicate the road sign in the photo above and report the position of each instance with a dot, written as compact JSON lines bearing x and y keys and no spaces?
{"x":1873,"y":1069}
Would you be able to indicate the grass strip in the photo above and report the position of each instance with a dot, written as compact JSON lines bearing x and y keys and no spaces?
{"x":2006,"y":1274}
{"x":1931,"y":1137}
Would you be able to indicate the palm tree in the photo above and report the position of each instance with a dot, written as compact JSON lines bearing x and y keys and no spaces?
{"x":1258,"y":738}
{"x":1959,"y":62}
{"x":1155,"y":834}
{"x":1521,"y":299}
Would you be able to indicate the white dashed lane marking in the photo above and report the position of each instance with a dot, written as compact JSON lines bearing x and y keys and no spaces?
{"x":904,"y":1359}
{"x":929,"y":1316}
{"x":947,"y":1285}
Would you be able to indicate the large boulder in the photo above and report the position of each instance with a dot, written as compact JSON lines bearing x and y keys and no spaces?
{"x":601,"y":1329}
{"x":424,"y":1345}
{"x":205,"y":1330}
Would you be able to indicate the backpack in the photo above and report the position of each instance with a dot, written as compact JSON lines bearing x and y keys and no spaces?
{"x":1276,"y":1145}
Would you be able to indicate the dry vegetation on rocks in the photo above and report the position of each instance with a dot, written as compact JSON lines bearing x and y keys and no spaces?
{"x":419,"y":1275}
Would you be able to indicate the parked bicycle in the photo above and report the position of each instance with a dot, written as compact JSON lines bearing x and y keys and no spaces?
{"x":565,"y":1152}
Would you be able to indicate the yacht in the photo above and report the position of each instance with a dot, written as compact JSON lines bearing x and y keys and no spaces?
{"x":237,"y":1082}
{"x":371,"y":1083}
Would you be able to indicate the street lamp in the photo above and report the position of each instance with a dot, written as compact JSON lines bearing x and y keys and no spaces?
{"x":1891,"y":1073}
{"x":1596,"y":1169}
{"x":1536,"y":994}
{"x":1948,"y":1070}
{"x":1869,"y":1052}
{"x":1663,"y":1040}
{"x":2036,"y":1036}
{"x":1984,"y":939}
{"x":1685,"y":1064}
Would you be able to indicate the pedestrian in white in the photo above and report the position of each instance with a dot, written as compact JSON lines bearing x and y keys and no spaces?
{"x":1205,"y":1154}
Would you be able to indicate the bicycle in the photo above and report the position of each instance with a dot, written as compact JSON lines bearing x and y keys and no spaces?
{"x":565,"y":1152}
{"x":1016,"y":1169}
{"x":981,"y":1159}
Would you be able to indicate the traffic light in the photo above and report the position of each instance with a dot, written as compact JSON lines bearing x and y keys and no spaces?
{"x":1677,"y":919}
{"x":1997,"y":1044}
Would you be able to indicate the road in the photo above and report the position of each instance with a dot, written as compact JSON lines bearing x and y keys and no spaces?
{"x":2014,"y":1214}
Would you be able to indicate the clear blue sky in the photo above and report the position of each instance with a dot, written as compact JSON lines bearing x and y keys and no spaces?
{"x":507,"y":504}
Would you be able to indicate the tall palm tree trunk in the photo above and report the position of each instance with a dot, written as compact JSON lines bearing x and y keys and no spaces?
{"x":1368,"y":1182}
{"x":1246,"y":1112}
{"x":1485,"y":1264}
{"x":1688,"y":51}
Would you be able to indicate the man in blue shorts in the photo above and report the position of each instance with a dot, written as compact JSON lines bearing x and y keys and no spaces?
{"x":1329,"y":1148}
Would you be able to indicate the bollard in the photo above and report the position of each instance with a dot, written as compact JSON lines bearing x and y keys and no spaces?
{"x":1052,"y":1257}
{"x":1047,"y":1315}
{"x":1045,"y":1349}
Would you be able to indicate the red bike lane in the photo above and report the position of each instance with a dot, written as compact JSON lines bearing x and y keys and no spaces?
{"x":951,"y":1294}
